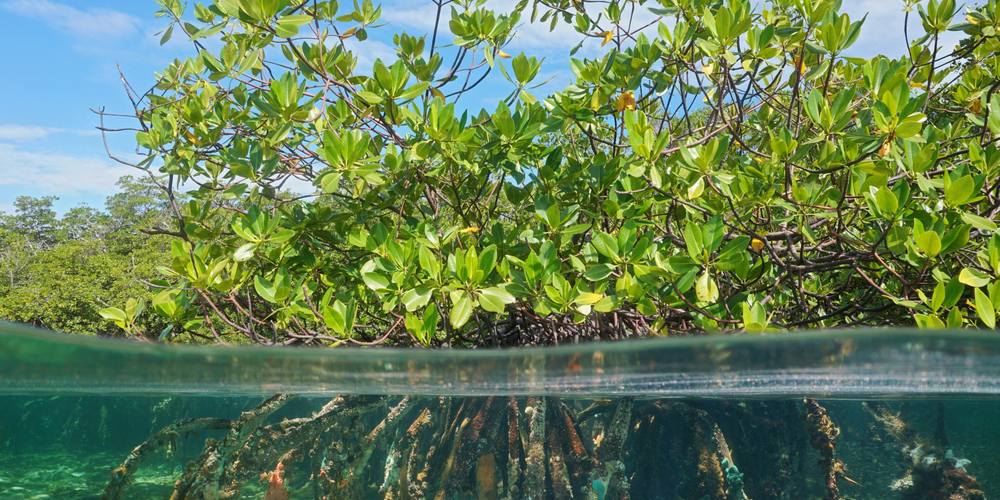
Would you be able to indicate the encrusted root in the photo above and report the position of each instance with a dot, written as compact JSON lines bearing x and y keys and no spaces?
{"x":121,"y":476}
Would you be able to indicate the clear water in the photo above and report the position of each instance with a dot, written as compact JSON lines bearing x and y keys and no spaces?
{"x":884,"y":414}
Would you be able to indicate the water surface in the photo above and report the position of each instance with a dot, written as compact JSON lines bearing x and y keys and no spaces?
{"x":886,"y":414}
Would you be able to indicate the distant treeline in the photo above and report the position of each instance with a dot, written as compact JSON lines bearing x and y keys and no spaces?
{"x":59,"y":272}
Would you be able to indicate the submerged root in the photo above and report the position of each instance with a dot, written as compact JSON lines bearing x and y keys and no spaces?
{"x":934,"y":473}
{"x":121,"y":476}
{"x":492,"y":448}
{"x":822,"y":434}
{"x":534,"y":470}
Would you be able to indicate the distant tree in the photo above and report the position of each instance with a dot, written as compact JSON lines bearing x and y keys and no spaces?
{"x":59,"y":272}
{"x":83,"y":223}
{"x":34,"y":219}
{"x":16,"y":253}
{"x":139,"y":205}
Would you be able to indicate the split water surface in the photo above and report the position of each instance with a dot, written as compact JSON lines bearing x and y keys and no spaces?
{"x":845,"y":414}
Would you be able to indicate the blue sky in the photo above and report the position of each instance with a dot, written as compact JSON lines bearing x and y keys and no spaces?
{"x":61,"y":60}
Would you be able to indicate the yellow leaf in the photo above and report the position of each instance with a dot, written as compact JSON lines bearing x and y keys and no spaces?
{"x":707,"y":69}
{"x":607,"y":37}
{"x":194,"y":140}
{"x":469,"y":230}
{"x":977,"y":107}
{"x":626,"y":100}
{"x":800,"y":65}
{"x":972,"y":20}
{"x":886,"y":146}
{"x":502,"y":54}
{"x":757,"y":244}
{"x":917,"y":85}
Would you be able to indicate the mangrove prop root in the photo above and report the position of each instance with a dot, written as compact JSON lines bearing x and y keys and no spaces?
{"x":932,"y":474}
{"x":561,"y":487}
{"x":608,"y":475}
{"x":892,"y":422}
{"x":410,"y":485}
{"x":121,"y":476}
{"x":468,"y":448}
{"x":513,"y":448}
{"x":822,"y":434}
{"x":486,"y":479}
{"x":395,"y":463}
{"x":571,"y":436}
{"x":376,"y":436}
{"x":206,"y":484}
{"x":457,"y":429}
{"x":250,"y":448}
{"x":706,"y":448}
{"x":534,"y":469}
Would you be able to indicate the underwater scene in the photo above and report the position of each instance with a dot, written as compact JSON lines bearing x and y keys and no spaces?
{"x":851,"y":415}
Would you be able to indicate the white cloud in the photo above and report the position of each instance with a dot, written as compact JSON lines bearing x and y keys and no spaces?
{"x":24,"y":133}
{"x":56,"y":173}
{"x":20,"y":133}
{"x":89,"y":25}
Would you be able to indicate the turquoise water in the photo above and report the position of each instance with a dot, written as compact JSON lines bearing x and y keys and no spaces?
{"x":853,"y":415}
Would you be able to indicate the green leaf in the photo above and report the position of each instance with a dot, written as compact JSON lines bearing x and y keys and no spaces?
{"x":937,"y":299}
{"x":431,"y":318}
{"x":461,"y":310}
{"x":114,"y":314}
{"x":586,"y":299}
{"x":896,"y":238}
{"x":886,"y":201}
{"x":417,"y":298}
{"x":733,"y":248}
{"x":693,"y":240}
{"x":960,"y":191}
{"x":973,"y":277}
{"x":264,"y":288}
{"x":928,"y":321}
{"x":245,"y":252}
{"x":706,"y":289}
{"x":375,"y":281}
{"x":414,"y":91}
{"x":978,"y":222}
{"x":607,"y":304}
{"x":491,"y":304}
{"x":955,"y":318}
{"x":953,"y":292}
{"x":714,"y":231}
{"x":606,"y":244}
{"x":696,"y":189}
{"x":288,"y":26}
{"x":984,"y":309}
{"x":166,"y":36}
{"x":930,"y":243}
{"x":497,"y":293}
{"x":598,"y":272}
